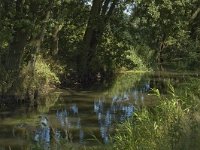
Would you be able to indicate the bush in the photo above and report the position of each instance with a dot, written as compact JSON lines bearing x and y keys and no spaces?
{"x":42,"y":78}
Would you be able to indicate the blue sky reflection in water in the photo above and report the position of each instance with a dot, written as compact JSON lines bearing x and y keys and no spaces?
{"x":104,"y":112}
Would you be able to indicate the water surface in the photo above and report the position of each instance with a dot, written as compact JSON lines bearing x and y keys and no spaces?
{"x":69,"y":117}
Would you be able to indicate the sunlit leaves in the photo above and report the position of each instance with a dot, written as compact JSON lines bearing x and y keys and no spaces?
{"x":162,"y":25}
{"x":153,"y":10}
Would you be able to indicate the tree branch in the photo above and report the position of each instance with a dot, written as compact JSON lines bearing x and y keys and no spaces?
{"x":195,"y":14}
{"x":112,"y":7}
{"x":105,"y":7}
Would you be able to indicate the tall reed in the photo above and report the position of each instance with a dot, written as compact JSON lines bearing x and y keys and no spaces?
{"x":171,"y":125}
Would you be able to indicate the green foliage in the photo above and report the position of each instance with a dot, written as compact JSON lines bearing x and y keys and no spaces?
{"x":153,"y":33}
{"x":47,"y":101}
{"x":111,"y":53}
{"x":3,"y":80}
{"x":166,"y":126}
{"x":42,"y":78}
{"x":163,"y":28}
{"x":115,"y":54}
{"x":124,"y":82}
{"x":140,"y":63}
{"x":44,"y":72}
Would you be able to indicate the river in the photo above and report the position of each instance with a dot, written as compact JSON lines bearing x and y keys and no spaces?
{"x":77,"y":118}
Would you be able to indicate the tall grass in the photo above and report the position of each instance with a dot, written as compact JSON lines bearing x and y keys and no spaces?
{"x":171,"y":125}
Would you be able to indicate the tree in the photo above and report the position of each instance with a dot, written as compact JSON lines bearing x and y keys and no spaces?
{"x":163,"y":26}
{"x":101,"y":11}
{"x":28,"y":21}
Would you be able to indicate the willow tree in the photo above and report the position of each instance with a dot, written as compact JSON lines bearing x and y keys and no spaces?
{"x":100,"y":13}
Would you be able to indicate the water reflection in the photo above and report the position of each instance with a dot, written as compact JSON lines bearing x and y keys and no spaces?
{"x":61,"y":116}
{"x":74,"y":109}
{"x":106,"y":110}
{"x":42,"y":133}
{"x":69,"y":120}
{"x":76,"y":117}
{"x":121,"y":108}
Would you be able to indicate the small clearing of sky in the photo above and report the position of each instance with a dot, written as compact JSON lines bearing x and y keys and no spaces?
{"x":129,"y":9}
{"x":89,"y":3}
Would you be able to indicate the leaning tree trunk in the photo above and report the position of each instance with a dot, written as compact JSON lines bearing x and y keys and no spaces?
{"x":100,"y":13}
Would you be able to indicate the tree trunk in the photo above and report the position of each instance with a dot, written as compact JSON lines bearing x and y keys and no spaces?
{"x":99,"y":17}
{"x":159,"y":53}
{"x":18,"y":43}
{"x":36,"y":42}
{"x":16,"y":50}
{"x":55,"y":39}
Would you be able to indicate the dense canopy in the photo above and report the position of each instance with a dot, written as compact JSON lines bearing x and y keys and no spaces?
{"x":49,"y":42}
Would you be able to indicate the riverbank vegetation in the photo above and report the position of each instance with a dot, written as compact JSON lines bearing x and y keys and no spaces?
{"x":79,"y":42}
{"x":173,"y":124}
{"x":48,"y":44}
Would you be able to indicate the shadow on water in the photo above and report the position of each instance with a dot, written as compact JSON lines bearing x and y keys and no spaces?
{"x":74,"y":117}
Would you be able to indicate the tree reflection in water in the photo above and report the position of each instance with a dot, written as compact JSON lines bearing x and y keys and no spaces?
{"x":117,"y":111}
{"x":120,"y":108}
{"x":77,"y":116}
{"x":42,"y":133}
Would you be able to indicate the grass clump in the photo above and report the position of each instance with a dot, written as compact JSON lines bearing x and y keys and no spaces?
{"x":173,"y":124}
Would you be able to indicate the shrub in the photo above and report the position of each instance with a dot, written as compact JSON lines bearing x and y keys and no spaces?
{"x":42,"y":78}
